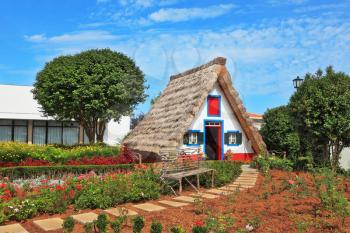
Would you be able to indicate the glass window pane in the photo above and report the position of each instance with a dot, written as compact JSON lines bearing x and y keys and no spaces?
{"x":20,"y":134}
{"x":55,"y":123}
{"x":6,"y":122}
{"x":5,"y":133}
{"x":39,"y":123}
{"x":70,"y":124}
{"x":70,"y":136}
{"x":86,"y":139}
{"x":39,"y":134}
{"x":54,"y":135}
{"x":21,"y":122}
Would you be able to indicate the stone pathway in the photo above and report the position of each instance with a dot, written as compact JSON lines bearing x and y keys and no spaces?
{"x":49,"y":224}
{"x":246,"y":180}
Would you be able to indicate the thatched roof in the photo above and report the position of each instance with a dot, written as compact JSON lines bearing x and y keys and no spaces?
{"x":172,"y":114}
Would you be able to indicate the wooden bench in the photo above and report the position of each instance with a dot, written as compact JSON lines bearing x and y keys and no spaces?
{"x":182,"y":167}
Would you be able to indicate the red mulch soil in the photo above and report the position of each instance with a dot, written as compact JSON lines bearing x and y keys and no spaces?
{"x":277,"y":211}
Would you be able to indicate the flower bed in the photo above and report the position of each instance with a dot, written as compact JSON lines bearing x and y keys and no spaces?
{"x":21,"y":154}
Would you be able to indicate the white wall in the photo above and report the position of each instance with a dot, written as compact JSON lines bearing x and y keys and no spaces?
{"x":345,"y":158}
{"x":230,"y":122}
{"x":115,"y":131}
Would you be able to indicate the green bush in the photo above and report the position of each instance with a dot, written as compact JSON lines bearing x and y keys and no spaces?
{"x":20,"y":210}
{"x":59,"y":171}
{"x":225,"y":172}
{"x":138,"y":223}
{"x":156,"y":227}
{"x":116,"y":226}
{"x":102,"y":223}
{"x":17,"y":152}
{"x":272,"y":162}
{"x":68,"y":225}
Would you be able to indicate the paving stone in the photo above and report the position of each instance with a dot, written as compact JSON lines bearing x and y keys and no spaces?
{"x":149,"y":207}
{"x":85,"y":218}
{"x":49,"y":224}
{"x":185,"y":198}
{"x":173,"y":203}
{"x":120,"y":211}
{"x":204,"y":195}
{"x":216,"y":191}
{"x":13,"y":228}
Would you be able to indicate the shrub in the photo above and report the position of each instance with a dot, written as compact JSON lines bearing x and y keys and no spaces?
{"x":56,"y":171}
{"x":116,"y":226}
{"x":88,"y":227}
{"x":156,"y":227}
{"x":145,"y":185}
{"x":271,"y":162}
{"x":225,"y":172}
{"x":20,"y":210}
{"x":176,"y":229}
{"x":13,"y":152}
{"x":138,"y":224}
{"x":101,"y":223}
{"x":68,"y":225}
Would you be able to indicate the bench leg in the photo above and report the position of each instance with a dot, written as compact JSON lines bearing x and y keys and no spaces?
{"x":212,"y":179}
{"x":198,"y":182}
{"x":180,"y":185}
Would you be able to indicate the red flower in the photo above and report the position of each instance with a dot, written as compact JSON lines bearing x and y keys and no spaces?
{"x":291,"y":182}
{"x":43,"y":181}
{"x":59,"y":188}
{"x":199,"y":223}
{"x":71,"y":194}
{"x":3,"y":185}
{"x":7,"y":192}
{"x":78,"y":187}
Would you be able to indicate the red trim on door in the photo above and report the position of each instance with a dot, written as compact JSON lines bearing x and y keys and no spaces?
{"x":218,"y":153}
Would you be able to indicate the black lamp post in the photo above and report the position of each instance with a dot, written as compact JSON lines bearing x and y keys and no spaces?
{"x":297,"y":82}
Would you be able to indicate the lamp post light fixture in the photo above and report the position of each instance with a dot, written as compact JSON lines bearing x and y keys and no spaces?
{"x":297,"y":82}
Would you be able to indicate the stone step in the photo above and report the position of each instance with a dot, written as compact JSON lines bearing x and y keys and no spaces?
{"x":49,"y":224}
{"x":216,"y":191}
{"x":185,"y":199}
{"x":85,"y":218}
{"x":204,"y":195}
{"x":173,"y":203}
{"x":120,"y":211}
{"x":13,"y":228}
{"x":149,"y":207}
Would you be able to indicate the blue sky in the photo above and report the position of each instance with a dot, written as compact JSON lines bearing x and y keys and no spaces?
{"x":267,"y":43}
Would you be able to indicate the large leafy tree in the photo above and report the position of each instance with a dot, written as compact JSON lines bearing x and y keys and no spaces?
{"x":279,"y":132}
{"x":91,"y":87}
{"x":321,"y":111}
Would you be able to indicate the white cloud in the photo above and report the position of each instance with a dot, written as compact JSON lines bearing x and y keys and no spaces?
{"x":320,"y":7}
{"x":286,"y":2}
{"x":262,"y":59}
{"x":80,"y":36}
{"x":185,"y":14}
{"x":102,"y":1}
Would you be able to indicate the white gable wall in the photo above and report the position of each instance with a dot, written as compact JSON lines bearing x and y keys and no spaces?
{"x":230,"y":123}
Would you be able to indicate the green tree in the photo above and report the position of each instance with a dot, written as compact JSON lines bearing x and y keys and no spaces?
{"x":321,"y":109}
{"x":279,"y":132}
{"x":92,"y":87}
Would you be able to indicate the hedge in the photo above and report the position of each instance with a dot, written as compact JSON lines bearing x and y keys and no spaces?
{"x":58,"y":171}
{"x":16,"y":152}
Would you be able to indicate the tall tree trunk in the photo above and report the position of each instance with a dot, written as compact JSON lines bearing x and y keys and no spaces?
{"x":101,"y":128}
{"x":90,"y":131}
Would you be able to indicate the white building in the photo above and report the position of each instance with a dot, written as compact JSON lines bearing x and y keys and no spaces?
{"x":21,"y":120}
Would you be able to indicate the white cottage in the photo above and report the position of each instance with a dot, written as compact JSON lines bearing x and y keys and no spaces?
{"x":199,"y":109}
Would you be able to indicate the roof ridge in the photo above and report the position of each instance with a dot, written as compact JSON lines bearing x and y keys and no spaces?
{"x":215,"y":61}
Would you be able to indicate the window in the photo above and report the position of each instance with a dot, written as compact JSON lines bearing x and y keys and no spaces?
{"x":233,"y":138}
{"x":55,"y":132}
{"x":14,"y":130}
{"x":193,"y":138}
{"x":214,"y":105}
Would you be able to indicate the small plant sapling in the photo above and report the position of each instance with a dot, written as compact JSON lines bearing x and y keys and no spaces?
{"x":68,"y":225}
{"x":156,"y":227}
{"x":138,"y":224}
